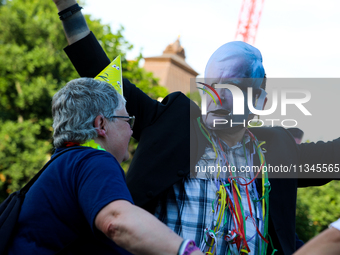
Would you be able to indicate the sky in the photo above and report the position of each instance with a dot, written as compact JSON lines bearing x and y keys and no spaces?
{"x":297,"y":39}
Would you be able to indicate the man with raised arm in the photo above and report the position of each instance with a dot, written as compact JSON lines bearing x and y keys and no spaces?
{"x":227,"y":213}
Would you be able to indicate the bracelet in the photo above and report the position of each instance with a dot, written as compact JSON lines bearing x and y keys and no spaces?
{"x":190,"y":249}
{"x":187,"y":247}
{"x":69,"y":11}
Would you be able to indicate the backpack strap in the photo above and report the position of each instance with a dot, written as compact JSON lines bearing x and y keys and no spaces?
{"x":10,"y":208}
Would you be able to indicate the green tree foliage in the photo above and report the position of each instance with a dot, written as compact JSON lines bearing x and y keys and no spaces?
{"x":195,"y":96}
{"x":33,"y":67}
{"x":316,"y":208}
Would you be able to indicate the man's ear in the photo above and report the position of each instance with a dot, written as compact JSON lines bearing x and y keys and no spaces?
{"x":100,"y":125}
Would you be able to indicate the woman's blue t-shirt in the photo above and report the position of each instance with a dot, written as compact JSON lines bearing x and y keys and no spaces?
{"x":63,"y":203}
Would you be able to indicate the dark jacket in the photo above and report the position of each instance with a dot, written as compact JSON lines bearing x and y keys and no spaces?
{"x":170,"y":144}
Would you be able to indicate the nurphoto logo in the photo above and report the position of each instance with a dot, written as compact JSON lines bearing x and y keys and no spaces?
{"x":239,"y":102}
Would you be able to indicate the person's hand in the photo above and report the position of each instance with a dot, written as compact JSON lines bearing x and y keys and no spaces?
{"x":63,"y":4}
{"x":75,"y":26}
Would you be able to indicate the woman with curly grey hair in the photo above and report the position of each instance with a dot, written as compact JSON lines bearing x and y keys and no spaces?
{"x":73,"y":118}
{"x":80,"y":204}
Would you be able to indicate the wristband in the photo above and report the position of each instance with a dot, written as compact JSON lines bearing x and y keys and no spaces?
{"x":190,"y":249}
{"x":187,"y":247}
{"x":69,"y":11}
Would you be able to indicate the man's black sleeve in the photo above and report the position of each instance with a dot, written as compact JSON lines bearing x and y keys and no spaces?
{"x":89,"y":59}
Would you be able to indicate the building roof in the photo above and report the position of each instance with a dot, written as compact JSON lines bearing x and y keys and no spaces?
{"x":176,"y":54}
{"x":174,"y":59}
{"x":171,"y":68}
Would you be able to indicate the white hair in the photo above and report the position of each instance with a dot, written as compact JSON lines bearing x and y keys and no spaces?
{"x":77,"y":104}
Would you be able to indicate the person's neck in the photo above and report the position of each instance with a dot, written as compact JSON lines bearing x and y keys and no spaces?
{"x":231,"y":139}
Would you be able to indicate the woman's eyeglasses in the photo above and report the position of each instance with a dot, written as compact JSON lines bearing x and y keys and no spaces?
{"x":131,"y":120}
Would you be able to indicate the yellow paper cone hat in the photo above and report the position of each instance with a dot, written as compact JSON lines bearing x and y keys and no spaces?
{"x":113,"y":74}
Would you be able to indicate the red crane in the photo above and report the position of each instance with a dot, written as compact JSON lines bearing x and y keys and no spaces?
{"x":249,"y":20}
